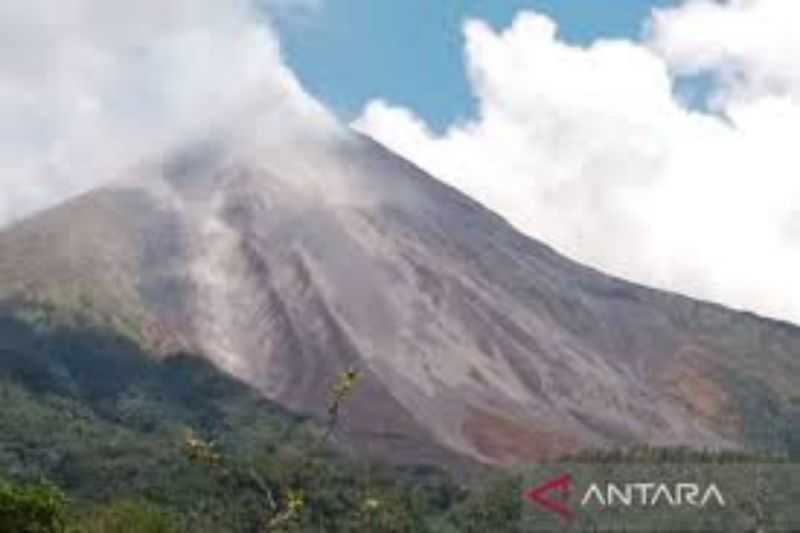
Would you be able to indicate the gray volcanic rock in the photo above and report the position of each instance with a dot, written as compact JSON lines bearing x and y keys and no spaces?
{"x":287,"y":264}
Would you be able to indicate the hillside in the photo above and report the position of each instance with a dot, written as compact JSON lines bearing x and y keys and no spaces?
{"x":110,"y":426}
{"x":286,"y":265}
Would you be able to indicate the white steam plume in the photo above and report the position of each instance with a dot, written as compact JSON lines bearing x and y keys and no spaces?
{"x":89,"y":87}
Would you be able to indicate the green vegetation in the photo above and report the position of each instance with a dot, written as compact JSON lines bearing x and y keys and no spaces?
{"x":129,"y":439}
{"x":34,"y":508}
{"x":130,"y":517}
{"x":674,"y":455}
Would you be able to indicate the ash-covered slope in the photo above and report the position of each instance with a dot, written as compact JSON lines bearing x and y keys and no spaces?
{"x":286,"y":265}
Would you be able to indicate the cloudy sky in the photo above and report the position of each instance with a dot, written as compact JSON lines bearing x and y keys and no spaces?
{"x":668,"y":157}
{"x":654,"y":140}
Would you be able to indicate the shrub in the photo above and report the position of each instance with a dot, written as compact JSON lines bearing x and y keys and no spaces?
{"x":35,"y":508}
{"x":129,"y":517}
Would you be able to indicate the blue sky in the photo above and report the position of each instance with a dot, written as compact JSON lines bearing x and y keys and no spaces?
{"x":410,"y":52}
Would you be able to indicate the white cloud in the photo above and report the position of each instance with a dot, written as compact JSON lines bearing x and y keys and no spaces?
{"x":588,"y":149}
{"x":752,"y":45}
{"x":89,"y":87}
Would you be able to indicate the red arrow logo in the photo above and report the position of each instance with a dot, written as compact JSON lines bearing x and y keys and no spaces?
{"x":539,"y":495}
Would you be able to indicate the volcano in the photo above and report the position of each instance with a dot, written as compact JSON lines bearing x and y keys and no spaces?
{"x":287,"y":264}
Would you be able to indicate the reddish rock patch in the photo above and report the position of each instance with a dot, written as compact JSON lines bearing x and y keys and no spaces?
{"x":164,"y":337}
{"x":704,"y":397}
{"x":507,"y":440}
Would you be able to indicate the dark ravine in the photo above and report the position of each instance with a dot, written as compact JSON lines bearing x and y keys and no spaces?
{"x":287,"y":265}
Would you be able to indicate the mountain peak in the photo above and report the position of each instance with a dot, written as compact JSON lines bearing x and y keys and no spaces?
{"x":287,"y":263}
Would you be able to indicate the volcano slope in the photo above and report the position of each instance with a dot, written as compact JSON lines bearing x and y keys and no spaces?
{"x":287,"y":264}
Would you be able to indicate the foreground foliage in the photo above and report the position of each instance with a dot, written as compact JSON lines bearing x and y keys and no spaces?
{"x":33,"y":508}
